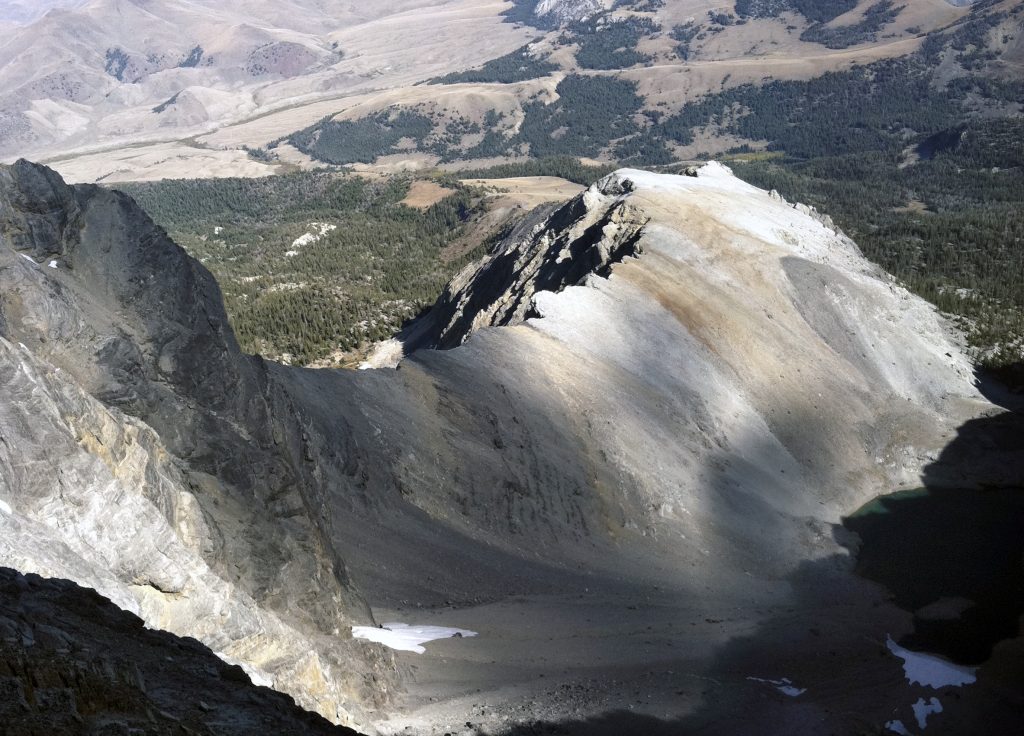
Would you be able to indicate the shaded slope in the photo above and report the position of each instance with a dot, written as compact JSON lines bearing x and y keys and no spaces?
{"x":72,"y":662}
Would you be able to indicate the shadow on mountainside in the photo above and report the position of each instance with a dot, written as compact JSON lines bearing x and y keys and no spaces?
{"x":941,"y":569}
{"x":953,"y":550}
{"x":616,"y":723}
{"x":71,"y":662}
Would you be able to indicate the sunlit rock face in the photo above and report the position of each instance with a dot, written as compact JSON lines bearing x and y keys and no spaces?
{"x":140,"y":453}
{"x":676,"y":379}
{"x":727,"y":365}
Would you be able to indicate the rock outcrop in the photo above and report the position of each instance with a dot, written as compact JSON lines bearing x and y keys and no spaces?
{"x":676,"y":380}
{"x":563,"y":12}
{"x":72,"y":662}
{"x":143,"y":455}
{"x":580,"y":240}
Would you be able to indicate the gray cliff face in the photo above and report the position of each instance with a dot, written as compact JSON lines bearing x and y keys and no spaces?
{"x":580,"y":240}
{"x":151,"y":417}
{"x":130,"y":315}
{"x":678,"y":382}
{"x":39,"y":209}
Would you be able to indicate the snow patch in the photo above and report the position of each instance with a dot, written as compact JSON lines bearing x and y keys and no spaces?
{"x":258,"y":678}
{"x":28,"y":258}
{"x":5,"y":508}
{"x":923,"y":709}
{"x":53,"y":264}
{"x":930,"y":670}
{"x":406,"y":638}
{"x":897,"y":727}
{"x":784,"y":686}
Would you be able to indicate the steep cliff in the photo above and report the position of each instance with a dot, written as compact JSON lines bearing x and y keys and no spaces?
{"x":143,"y":455}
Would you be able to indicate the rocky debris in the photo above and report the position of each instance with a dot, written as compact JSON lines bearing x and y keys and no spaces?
{"x":72,"y":662}
{"x":718,"y":400}
{"x":806,"y":209}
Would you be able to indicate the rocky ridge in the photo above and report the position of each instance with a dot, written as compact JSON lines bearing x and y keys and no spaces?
{"x":562,"y":12}
{"x":547,"y":251}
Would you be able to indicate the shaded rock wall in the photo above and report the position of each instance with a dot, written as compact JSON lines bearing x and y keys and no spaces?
{"x":72,"y":662}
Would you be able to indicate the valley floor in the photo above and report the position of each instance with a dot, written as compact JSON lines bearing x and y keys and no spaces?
{"x":657,"y":663}
{"x":653,"y":662}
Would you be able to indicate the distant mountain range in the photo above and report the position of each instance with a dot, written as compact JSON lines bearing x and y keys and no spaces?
{"x":213,"y":81}
{"x":27,"y":11}
{"x":114,"y":71}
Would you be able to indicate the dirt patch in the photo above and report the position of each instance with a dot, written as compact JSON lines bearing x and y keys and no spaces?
{"x":914,"y":206}
{"x":529,"y":191}
{"x":425,"y":193}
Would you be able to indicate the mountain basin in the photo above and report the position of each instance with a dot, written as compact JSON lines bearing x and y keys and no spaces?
{"x":954,"y":557}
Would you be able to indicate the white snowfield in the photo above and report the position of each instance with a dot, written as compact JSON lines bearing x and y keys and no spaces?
{"x":406,"y":638}
{"x":924,"y":708}
{"x":897,"y":727}
{"x":784,"y":686}
{"x":930,"y":670}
